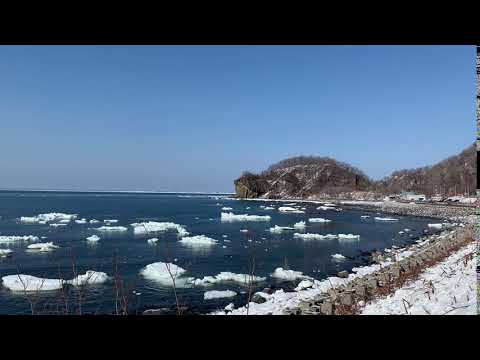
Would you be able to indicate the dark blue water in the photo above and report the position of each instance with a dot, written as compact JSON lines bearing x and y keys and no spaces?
{"x":200,"y":214}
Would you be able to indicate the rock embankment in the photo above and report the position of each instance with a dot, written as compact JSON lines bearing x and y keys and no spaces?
{"x":351,"y":298}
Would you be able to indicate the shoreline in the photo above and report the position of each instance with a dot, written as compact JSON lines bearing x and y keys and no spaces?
{"x":393,"y":269}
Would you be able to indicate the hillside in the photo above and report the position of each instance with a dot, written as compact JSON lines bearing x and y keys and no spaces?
{"x":320,"y":177}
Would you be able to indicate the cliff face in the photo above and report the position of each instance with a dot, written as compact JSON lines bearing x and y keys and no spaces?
{"x":316,"y":177}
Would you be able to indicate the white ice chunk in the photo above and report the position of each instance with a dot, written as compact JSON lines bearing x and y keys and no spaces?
{"x":319,"y":220}
{"x":385,"y":219}
{"x":338,"y":257}
{"x":48,"y":246}
{"x":227,"y":208}
{"x":153,"y":227}
{"x":93,"y":238}
{"x":216,"y":294}
{"x":198,"y":240}
{"x":5,"y":252}
{"x":111,"y":228}
{"x":315,"y":236}
{"x":279,"y":229}
{"x":289,"y":275}
{"x":152,"y":241}
{"x":299,"y":225}
{"x":229,"y":217}
{"x":287,"y":209}
{"x":15,"y":238}
{"x":89,"y":278}
{"x":226,"y":276}
{"x":30,"y":283}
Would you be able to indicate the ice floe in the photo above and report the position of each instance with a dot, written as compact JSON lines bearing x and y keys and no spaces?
{"x":288,"y":275}
{"x":15,"y":238}
{"x":30,"y":283}
{"x":348,"y":237}
{"x":81,"y":221}
{"x":338,"y":257}
{"x":5,"y":252}
{"x":226,"y":276}
{"x":279,"y":229}
{"x":94,"y":221}
{"x":152,"y":241}
{"x":269,"y":208}
{"x":309,"y":236}
{"x":153,"y":227}
{"x":165,"y":274}
{"x":385,"y":219}
{"x":365,"y":216}
{"x":319,"y":220}
{"x":89,"y":278}
{"x":49,"y":217}
{"x":48,"y":246}
{"x":435,"y":226}
{"x":287,"y":209}
{"x":299,"y":225}
{"x":227,"y":208}
{"x":217,"y":294}
{"x":229,"y":217}
{"x":111,"y":228}
{"x":198,"y":240}
{"x":58,"y":224}
{"x":110,"y":221}
{"x":230,"y":307}
{"x":93,"y":238}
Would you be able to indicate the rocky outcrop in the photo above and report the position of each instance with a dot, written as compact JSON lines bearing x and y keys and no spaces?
{"x":320,"y":177}
{"x":302,"y":177}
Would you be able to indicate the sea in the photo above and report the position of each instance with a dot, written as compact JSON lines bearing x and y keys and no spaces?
{"x":241,"y":247}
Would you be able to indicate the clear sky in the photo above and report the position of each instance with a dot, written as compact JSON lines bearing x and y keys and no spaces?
{"x":192,"y":118}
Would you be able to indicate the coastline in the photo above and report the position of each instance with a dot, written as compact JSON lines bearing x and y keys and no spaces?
{"x":394,"y":268}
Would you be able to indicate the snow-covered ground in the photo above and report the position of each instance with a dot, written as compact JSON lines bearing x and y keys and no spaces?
{"x":449,"y":287}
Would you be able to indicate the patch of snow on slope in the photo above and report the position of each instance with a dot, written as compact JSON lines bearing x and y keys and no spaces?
{"x":446,"y":288}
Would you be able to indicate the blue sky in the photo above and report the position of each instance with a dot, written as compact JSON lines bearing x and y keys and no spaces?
{"x":192,"y":118}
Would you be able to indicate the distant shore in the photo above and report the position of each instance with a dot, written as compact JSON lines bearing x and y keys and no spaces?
{"x":433,"y":210}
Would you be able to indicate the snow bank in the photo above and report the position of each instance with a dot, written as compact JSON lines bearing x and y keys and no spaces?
{"x":30,"y":283}
{"x":216,"y":294}
{"x":42,"y":246}
{"x":228,"y":217}
{"x":309,"y":236}
{"x":287,"y":209}
{"x":304,"y":284}
{"x":153,"y":227}
{"x":198,"y":240}
{"x":14,"y":238}
{"x":385,"y":219}
{"x":93,"y":238}
{"x":288,"y":275}
{"x":279,"y":229}
{"x":319,"y":220}
{"x":226,"y":276}
{"x":453,"y":291}
{"x":111,"y":228}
